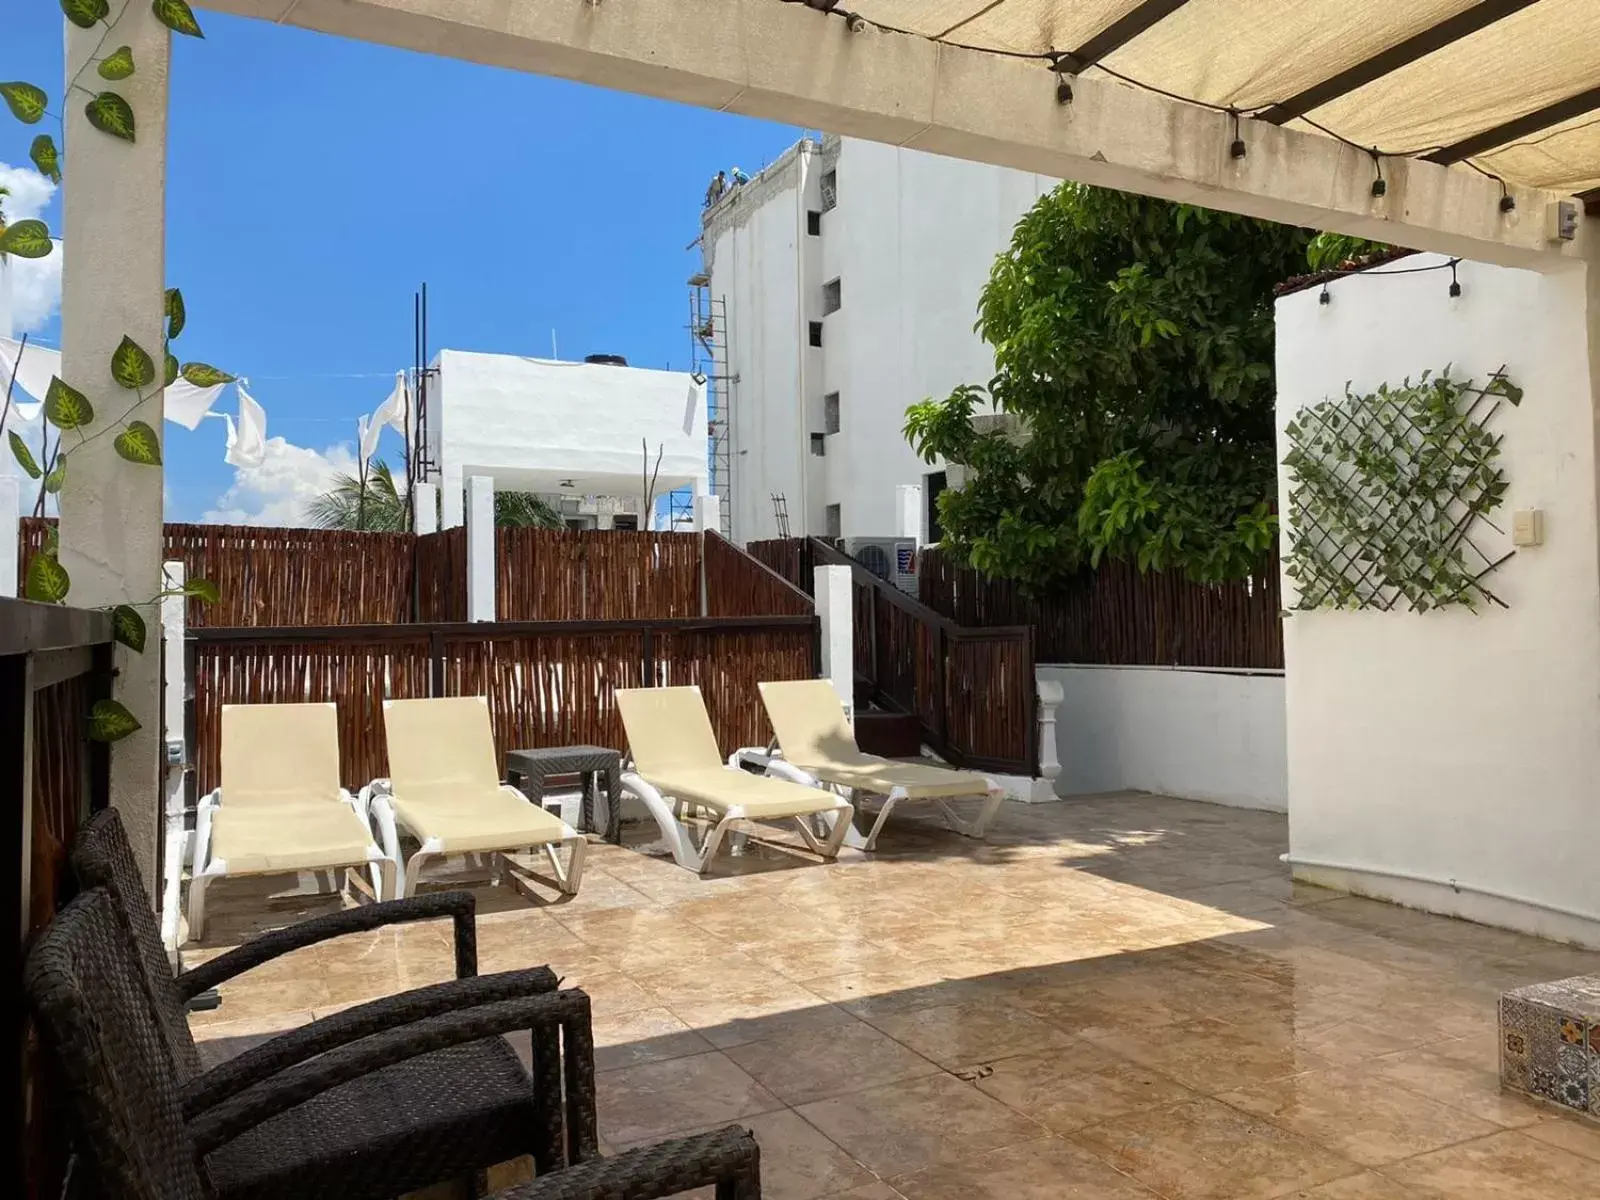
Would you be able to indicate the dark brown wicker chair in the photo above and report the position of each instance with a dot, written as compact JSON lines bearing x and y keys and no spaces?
{"x":142,"y":1138}
{"x":471,"y":1105}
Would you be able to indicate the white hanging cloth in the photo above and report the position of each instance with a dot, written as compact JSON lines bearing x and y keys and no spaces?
{"x":188,"y":405}
{"x":395,"y":412}
{"x":367,"y":431}
{"x":247,"y":442}
{"x":34,"y":372}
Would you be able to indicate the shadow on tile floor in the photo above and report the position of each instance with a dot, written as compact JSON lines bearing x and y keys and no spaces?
{"x":1117,"y":997}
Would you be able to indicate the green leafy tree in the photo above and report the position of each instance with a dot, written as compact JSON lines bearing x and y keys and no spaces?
{"x":381,"y":505}
{"x":1133,"y":344}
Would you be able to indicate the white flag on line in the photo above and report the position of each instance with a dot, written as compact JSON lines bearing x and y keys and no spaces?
{"x":34,"y":371}
{"x":247,"y":442}
{"x":187,"y":405}
{"x":395,"y":412}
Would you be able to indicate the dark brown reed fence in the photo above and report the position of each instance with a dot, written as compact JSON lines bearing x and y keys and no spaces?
{"x":548,"y":683}
{"x":1117,"y":615}
{"x":442,"y":575}
{"x":741,"y":585}
{"x":300,"y":665}
{"x":788,"y":557}
{"x":596,"y":575}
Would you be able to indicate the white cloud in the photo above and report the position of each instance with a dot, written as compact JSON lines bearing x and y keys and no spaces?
{"x":35,"y":283}
{"x":281,"y":489}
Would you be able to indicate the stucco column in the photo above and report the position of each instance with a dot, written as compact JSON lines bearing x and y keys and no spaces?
{"x":427,"y":508}
{"x":480,"y":548}
{"x":708,"y":514}
{"x":1051,"y":694}
{"x":908,"y":511}
{"x":836,"y":608}
{"x":113,"y":229}
{"x":10,"y":513}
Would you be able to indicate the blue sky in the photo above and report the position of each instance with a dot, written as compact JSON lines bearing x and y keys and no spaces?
{"x":313,"y":183}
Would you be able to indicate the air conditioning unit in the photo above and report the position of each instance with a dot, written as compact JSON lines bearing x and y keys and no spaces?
{"x":890,"y":558}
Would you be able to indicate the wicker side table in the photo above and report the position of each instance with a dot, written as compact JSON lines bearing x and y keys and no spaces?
{"x":528,"y":769}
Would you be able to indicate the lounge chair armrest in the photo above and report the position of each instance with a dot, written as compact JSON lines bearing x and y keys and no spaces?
{"x":459,"y":906}
{"x":543,"y":1013}
{"x":728,"y":1155}
{"x":374,"y":1018}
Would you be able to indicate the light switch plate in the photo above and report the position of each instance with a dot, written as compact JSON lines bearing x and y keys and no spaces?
{"x":1527,"y":527}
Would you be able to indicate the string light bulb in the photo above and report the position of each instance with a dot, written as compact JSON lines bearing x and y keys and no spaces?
{"x":1380,"y":188}
{"x":1326,"y":298}
{"x":1508,"y":202}
{"x":1237,"y":148}
{"x":855,"y":22}
{"x":1455,"y":285}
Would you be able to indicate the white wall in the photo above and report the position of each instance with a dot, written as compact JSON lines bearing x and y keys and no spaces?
{"x":1453,"y":747}
{"x":912,"y":241}
{"x":1203,"y":735}
{"x":531,"y":423}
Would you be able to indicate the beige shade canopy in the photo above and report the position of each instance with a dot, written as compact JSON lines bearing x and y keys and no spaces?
{"x":1509,"y":86}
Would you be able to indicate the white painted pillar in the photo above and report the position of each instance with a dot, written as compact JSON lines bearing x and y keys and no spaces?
{"x":708,"y":514}
{"x":175,"y":687}
{"x":113,"y":268}
{"x":10,"y":518}
{"x":480,"y":548}
{"x":427,"y":508}
{"x":835,"y":607}
{"x":908,"y":511}
{"x":452,"y":514}
{"x":1051,"y":694}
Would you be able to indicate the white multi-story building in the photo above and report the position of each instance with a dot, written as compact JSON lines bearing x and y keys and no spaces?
{"x":847,"y":277}
{"x":589,"y":437}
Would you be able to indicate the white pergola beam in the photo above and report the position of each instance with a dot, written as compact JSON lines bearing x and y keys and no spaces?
{"x":786,"y":62}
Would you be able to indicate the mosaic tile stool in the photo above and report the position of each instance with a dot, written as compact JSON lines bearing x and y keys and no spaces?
{"x":1550,"y":1042}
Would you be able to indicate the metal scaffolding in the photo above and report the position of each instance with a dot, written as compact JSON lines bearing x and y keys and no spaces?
{"x":708,"y":356}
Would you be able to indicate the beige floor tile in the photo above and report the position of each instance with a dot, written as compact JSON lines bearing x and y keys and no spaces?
{"x":1048,"y":1169}
{"x":902,"y":1128}
{"x":1368,"y":1185}
{"x":1360,"y":1114}
{"x":959,"y":1036}
{"x":1205,"y":1150}
{"x":1506,"y":1166}
{"x":1466,"y":1086}
{"x":815,"y":1064}
{"x":1080,"y":1084}
{"x":1213,"y":1056}
{"x":1570,"y":1133}
{"x":627,"y":1039}
{"x":649,"y":1101}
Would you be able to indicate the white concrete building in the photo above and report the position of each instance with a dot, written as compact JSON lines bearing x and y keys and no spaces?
{"x":583,"y":435}
{"x":850,"y":272}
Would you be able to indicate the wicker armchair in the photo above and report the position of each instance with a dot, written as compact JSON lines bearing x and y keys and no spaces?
{"x":443,"y":1115}
{"x":144,"y":1136}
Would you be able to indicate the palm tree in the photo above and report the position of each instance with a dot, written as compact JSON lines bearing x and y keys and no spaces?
{"x":381,"y":505}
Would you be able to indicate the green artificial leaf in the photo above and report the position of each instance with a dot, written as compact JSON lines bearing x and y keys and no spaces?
{"x":110,"y":721}
{"x":48,"y":581}
{"x":24,"y":456}
{"x":109,"y":113}
{"x":58,"y":475}
{"x":203,"y":590}
{"x":177,"y":16}
{"x":1502,"y":386}
{"x":27,"y":239}
{"x":138,"y":443}
{"x":26,"y":102}
{"x":172,"y":370}
{"x":204,"y":375}
{"x":131,"y":365}
{"x":45,"y":157}
{"x":127,"y":626}
{"x":66,"y":406}
{"x":85,"y":14}
{"x":118,"y":64}
{"x":177,"y":315}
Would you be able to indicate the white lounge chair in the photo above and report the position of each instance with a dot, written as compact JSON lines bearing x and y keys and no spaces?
{"x":819,"y":748}
{"x":280,"y":808}
{"x":444,"y":789}
{"x":676,"y":766}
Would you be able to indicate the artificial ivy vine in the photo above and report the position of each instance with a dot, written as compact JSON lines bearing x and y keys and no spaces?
{"x":1387,"y":491}
{"x":134,"y":368}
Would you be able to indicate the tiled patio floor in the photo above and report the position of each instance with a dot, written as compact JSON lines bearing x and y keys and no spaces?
{"x":1114,"y":998}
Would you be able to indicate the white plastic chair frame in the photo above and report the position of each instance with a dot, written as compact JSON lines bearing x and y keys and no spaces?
{"x":566,"y":878}
{"x":206,"y":867}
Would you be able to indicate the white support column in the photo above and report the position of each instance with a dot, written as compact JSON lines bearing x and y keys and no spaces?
{"x":480,"y":548}
{"x":10,"y":518}
{"x":1051,"y":694}
{"x":175,"y":688}
{"x":908,"y":511}
{"x":836,"y":608}
{"x":113,"y":274}
{"x":427,"y":508}
{"x":708,"y":514}
{"x":452,"y":509}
